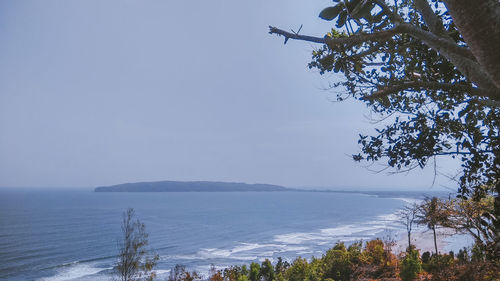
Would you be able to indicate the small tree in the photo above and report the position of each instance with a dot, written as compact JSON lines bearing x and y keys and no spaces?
{"x":432,"y":214}
{"x":134,"y":262}
{"x":267,"y":271}
{"x":254,"y":274}
{"x":411,"y":265}
{"x":408,"y":216}
{"x":466,"y":216}
{"x":215,"y":275}
{"x":179,"y":273}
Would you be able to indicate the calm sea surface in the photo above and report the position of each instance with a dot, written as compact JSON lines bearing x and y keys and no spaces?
{"x":73,"y":235}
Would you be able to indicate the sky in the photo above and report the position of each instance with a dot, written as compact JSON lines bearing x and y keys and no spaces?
{"x":99,"y":92}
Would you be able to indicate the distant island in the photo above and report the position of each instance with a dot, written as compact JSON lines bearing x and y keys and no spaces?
{"x":190,"y":186}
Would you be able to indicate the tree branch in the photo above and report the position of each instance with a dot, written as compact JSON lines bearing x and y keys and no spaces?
{"x":432,"y":21}
{"x":367,"y":52}
{"x":390,"y":13}
{"x":288,"y":35}
{"x":332,"y":42}
{"x":419,"y":85}
{"x":438,"y":43}
{"x":458,"y":56}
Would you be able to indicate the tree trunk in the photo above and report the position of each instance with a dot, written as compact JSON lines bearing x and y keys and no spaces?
{"x":435,"y":240}
{"x":409,"y":240}
{"x":496,"y":245}
{"x":479,"y":24}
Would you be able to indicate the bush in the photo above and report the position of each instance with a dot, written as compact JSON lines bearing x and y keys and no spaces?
{"x":179,"y":273}
{"x":438,"y":263}
{"x":426,"y":257}
{"x":254,"y":274}
{"x":411,"y":266}
{"x":267,"y":271}
{"x":298,"y":270}
{"x":463,"y":255}
{"x":337,"y":263}
{"x":374,"y":251}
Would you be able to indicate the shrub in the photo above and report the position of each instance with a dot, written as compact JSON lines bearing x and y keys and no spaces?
{"x":374,"y":251}
{"x":438,"y":263}
{"x":337,"y":263}
{"x":411,"y":266}
{"x":426,"y":257}
{"x":254,"y":274}
{"x":298,"y":270}
{"x":267,"y":271}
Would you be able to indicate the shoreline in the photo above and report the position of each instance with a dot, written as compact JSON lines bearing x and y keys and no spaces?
{"x":423,"y":240}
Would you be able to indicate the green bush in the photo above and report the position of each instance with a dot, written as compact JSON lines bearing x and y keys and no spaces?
{"x":411,"y":266}
{"x":267,"y":271}
{"x":337,"y":263}
{"x":298,"y":270}
{"x":374,"y":252}
{"x":254,"y":271}
{"x":438,"y":263}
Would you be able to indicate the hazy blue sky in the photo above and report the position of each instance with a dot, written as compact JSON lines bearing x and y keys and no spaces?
{"x":105,"y":92}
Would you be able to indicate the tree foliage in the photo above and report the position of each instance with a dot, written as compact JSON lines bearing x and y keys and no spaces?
{"x":372,"y":260}
{"x":430,"y":69}
{"x":134,"y":262}
{"x":432,"y":213}
{"x":466,"y":216}
{"x":411,"y":265}
{"x":179,"y":273}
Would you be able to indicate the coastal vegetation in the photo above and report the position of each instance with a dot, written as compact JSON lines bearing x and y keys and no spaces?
{"x":360,"y":261}
{"x":373,"y":260}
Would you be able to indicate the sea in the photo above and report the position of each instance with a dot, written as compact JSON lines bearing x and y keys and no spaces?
{"x":73,"y":234}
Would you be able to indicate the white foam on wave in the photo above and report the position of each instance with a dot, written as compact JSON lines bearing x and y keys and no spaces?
{"x":409,"y":200}
{"x":297,"y":243}
{"x":214,"y":253}
{"x":388,"y":218}
{"x":74,"y":271}
{"x":327,"y":235}
{"x":248,"y":251}
{"x":346,"y":233}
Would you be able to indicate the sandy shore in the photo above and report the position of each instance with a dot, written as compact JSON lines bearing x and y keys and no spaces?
{"x":424,"y":241}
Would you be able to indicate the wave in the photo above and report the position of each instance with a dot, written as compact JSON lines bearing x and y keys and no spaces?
{"x":293,"y":244}
{"x":80,"y":261}
{"x":409,"y":200}
{"x":346,"y":233}
{"x":74,"y":271}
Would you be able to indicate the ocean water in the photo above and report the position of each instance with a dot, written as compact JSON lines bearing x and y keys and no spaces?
{"x":73,"y":234}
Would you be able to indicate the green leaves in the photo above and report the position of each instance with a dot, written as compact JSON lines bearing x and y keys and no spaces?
{"x":350,"y":10}
{"x":331,"y":12}
{"x":342,"y":19}
{"x":363,"y":10}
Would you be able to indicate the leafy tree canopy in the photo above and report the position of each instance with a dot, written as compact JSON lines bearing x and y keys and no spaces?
{"x":431,"y":70}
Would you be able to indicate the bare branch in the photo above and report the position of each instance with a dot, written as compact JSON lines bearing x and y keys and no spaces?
{"x":288,"y":35}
